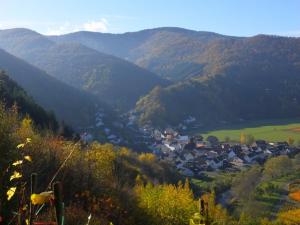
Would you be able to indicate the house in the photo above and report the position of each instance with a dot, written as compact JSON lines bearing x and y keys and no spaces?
{"x":189,"y":156}
{"x":189,"y":120}
{"x":211,"y":154}
{"x":214,"y":163}
{"x":171,"y":148}
{"x":231,"y":154}
{"x":182,"y":139}
{"x":236,"y":161}
{"x":186,"y":172}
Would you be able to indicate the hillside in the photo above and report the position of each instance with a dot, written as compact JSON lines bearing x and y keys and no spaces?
{"x":73,"y":106}
{"x":177,"y":53}
{"x":113,"y":185}
{"x":241,"y":92}
{"x":214,"y":73}
{"x":11,"y":93}
{"x":170,"y":52}
{"x":115,"y":81}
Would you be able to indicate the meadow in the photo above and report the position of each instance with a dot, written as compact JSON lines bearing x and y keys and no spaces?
{"x":267,"y":130}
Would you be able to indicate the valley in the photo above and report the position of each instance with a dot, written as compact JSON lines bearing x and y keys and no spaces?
{"x":159,"y":117}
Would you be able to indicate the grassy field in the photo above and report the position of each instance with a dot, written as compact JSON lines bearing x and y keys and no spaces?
{"x":266,"y":130}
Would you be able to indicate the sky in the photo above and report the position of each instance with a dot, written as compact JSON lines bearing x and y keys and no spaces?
{"x":230,"y":17}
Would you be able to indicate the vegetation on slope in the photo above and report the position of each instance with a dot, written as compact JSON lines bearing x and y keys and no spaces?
{"x":12,"y":94}
{"x":116,"y":185}
{"x":113,"y":80}
{"x":170,"y":52}
{"x":241,"y":92}
{"x":69,"y":104}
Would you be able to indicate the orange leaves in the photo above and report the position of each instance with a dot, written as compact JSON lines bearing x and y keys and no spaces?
{"x":295,"y":196}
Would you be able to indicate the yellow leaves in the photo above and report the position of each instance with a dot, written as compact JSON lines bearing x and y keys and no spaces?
{"x":170,"y":203}
{"x":20,"y":146}
{"x":28,"y":158}
{"x":16,"y":175}
{"x":42,"y":198}
{"x":147,"y":157}
{"x":290,"y":217}
{"x":11,"y":192}
{"x":26,"y":122}
{"x":16,"y":163}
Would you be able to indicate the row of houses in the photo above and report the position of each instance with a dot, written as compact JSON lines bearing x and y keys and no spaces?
{"x":191,"y":155}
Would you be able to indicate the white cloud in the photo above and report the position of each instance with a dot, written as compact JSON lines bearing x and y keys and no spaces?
{"x":66,"y":27}
{"x":96,"y":26}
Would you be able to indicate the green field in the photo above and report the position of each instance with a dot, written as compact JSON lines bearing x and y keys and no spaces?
{"x":266,"y":130}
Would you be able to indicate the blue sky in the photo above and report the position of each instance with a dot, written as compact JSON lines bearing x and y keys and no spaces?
{"x":231,"y":17}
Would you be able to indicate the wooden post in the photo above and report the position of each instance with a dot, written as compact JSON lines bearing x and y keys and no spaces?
{"x":33,"y":185}
{"x":207,"y":222}
{"x":202,"y":210}
{"x":59,"y":205}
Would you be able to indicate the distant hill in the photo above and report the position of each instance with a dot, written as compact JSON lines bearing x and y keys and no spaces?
{"x":11,"y":93}
{"x":215,"y":78}
{"x":73,"y":106}
{"x":219,"y":78}
{"x":115,"y":81}
{"x":177,"y":53}
{"x":250,"y":78}
{"x":173,"y":53}
{"x":240,"y":92}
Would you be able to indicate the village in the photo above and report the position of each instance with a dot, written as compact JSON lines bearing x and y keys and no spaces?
{"x":192,"y":155}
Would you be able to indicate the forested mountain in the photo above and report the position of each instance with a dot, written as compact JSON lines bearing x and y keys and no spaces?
{"x":218,"y":78}
{"x":11,"y":93}
{"x":69,"y":104}
{"x":177,"y":53}
{"x":173,"y":53}
{"x":113,"y":80}
{"x":251,"y":78}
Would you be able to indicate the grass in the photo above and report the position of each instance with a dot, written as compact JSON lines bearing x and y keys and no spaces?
{"x":267,"y":130}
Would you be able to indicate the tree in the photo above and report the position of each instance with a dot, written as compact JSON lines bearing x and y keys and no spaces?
{"x":212,"y":140}
{"x":227,"y":139}
{"x":244,"y":186}
{"x":247,"y":139}
{"x":242,"y":138}
{"x":278,"y":166}
{"x":291,"y":141}
{"x":166,"y":204}
{"x":290,"y":217}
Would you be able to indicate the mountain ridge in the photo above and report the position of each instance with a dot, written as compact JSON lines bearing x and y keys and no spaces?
{"x":104,"y":75}
{"x":49,"y":92}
